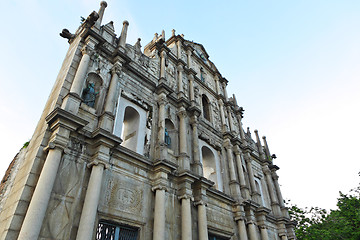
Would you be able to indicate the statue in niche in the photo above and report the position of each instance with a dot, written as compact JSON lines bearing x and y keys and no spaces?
{"x":202,"y":75}
{"x":89,"y":95}
{"x":167,"y":138}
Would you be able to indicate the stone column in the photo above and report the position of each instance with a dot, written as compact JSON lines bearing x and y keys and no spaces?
{"x":103,"y":5}
{"x":72,"y":101}
{"x":248,"y":161}
{"x":282,"y":231}
{"x":107,"y":118}
{"x":35,"y":214}
{"x":178,"y":46}
{"x":202,"y":220}
{"x":159,"y":213}
{"x":185,"y":217}
{"x":185,"y":163}
{"x":180,"y":82}
{"x":162,"y":63}
{"x":241,"y":130}
{"x":88,"y":214}
{"x":264,"y":233}
{"x":222,"y":115}
{"x":230,"y":160}
{"x":242,"y":229}
{"x":217,"y":84}
{"x":191,"y":89}
{"x":122,"y":40}
{"x":161,"y":145}
{"x":110,"y":99}
{"x":79,"y":79}
{"x":275,"y":177}
{"x":267,"y":148}
{"x":272,"y":193}
{"x":252,"y":231}
{"x":231,"y":124}
{"x":234,"y":185}
{"x":196,"y":151}
{"x":244,"y":188}
{"x":260,"y":148}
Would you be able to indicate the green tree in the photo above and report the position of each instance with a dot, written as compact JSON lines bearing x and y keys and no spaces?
{"x":342,"y":223}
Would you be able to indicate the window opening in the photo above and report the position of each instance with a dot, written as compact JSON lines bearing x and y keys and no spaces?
{"x":214,"y":237}
{"x":109,"y":231}
{"x":130,"y":128}
{"x":206,"y":107}
{"x":209,"y":165}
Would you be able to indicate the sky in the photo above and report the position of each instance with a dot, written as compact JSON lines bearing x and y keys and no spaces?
{"x":294,"y":67}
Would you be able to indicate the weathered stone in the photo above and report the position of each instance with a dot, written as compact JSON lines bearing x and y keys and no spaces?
{"x":108,"y":162}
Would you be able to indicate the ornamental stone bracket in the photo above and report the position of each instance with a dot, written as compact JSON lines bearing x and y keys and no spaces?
{"x":104,"y":138}
{"x":62,"y":118}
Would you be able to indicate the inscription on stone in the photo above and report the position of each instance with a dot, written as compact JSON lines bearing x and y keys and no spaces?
{"x":119,"y":197}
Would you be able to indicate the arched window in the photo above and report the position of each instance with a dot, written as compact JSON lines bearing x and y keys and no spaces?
{"x":172,"y":134}
{"x":130,"y":128}
{"x":259,"y":190}
{"x":205,"y":107}
{"x":209,"y":165}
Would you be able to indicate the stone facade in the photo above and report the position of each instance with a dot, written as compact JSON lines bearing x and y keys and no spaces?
{"x":143,"y":144}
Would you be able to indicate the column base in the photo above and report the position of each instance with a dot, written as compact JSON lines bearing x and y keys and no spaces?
{"x":107,"y":121}
{"x":71,"y":103}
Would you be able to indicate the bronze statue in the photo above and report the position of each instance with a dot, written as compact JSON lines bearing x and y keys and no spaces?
{"x":89,"y":95}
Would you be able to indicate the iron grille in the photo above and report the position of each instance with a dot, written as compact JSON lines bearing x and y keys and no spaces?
{"x":108,"y":231}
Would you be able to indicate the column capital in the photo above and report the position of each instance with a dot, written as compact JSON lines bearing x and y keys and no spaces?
{"x":182,"y":112}
{"x":186,"y":196}
{"x":237,"y":149}
{"x":162,"y":98}
{"x":97,"y":163}
{"x":200,"y":202}
{"x":87,"y":50}
{"x":59,"y":142}
{"x":116,"y":69}
{"x":266,"y":170}
{"x":159,"y":187}
{"x":194,"y":120}
{"x":227,"y":144}
{"x":274,"y":176}
{"x":180,"y":67}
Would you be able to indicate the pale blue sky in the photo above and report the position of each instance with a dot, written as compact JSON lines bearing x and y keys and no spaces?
{"x":293,"y":65}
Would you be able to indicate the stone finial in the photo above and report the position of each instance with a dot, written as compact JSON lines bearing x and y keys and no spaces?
{"x":173,"y":32}
{"x":123,"y":35}
{"x":156,"y":36}
{"x":103,"y":4}
{"x":163,"y":35}
{"x":101,"y":11}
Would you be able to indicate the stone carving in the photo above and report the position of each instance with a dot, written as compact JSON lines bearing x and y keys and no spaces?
{"x":67,"y":34}
{"x":127,"y":199}
{"x":137,"y":46}
{"x":218,"y":218}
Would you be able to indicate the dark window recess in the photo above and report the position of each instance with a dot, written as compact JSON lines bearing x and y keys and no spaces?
{"x":213,"y":237}
{"x":108,"y":231}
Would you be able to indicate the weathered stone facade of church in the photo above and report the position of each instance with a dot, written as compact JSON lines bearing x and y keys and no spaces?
{"x":143,"y":145}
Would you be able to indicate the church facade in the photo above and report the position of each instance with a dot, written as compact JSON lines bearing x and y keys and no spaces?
{"x":141,"y":144}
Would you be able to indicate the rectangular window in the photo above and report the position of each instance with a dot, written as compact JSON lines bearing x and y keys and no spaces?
{"x":109,"y":231}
